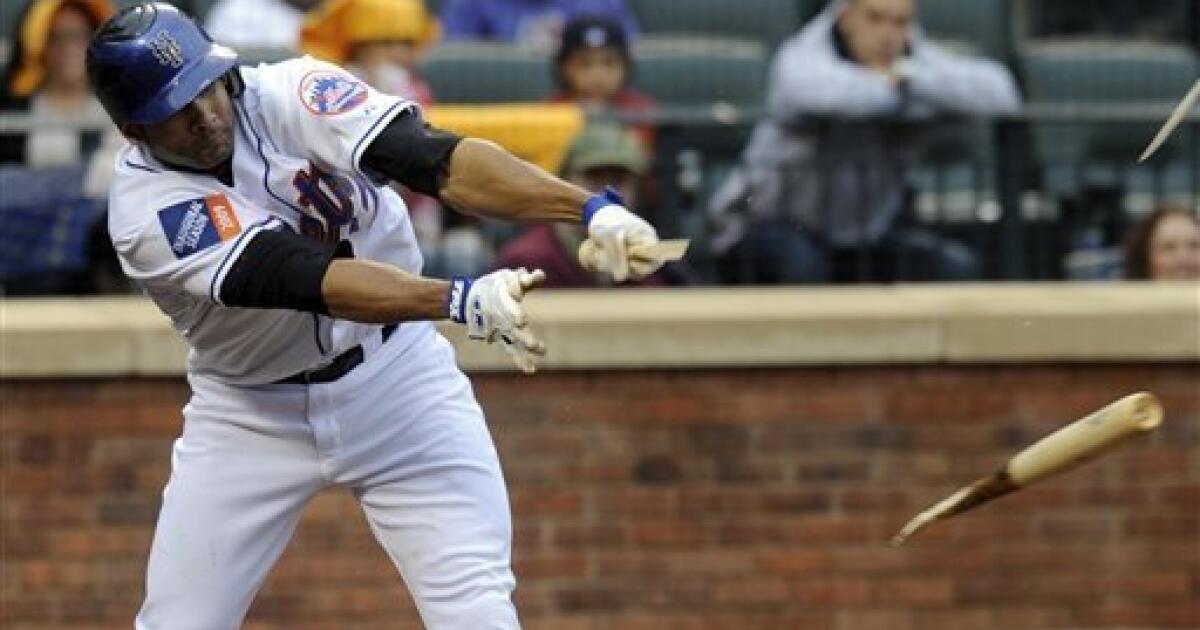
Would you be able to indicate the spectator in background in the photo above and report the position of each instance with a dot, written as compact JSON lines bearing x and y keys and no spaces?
{"x":603,"y":154}
{"x":593,"y":67}
{"x":1164,"y":246}
{"x":56,"y":172}
{"x":258,"y":23}
{"x":813,"y":200}
{"x":47,"y":79}
{"x":530,"y":22}
{"x":380,"y":41}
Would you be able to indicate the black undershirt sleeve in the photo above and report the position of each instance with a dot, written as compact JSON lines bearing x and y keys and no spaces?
{"x":281,"y":269}
{"x":411,"y":152}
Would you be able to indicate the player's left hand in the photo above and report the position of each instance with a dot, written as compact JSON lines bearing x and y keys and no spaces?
{"x":490,"y":307}
{"x":615,"y":231}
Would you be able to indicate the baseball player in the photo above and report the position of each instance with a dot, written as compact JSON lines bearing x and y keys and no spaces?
{"x":252,"y":206}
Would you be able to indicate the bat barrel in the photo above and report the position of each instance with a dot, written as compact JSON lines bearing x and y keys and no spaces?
{"x":1056,"y":453}
{"x":1148,"y":412}
{"x":1086,"y":438}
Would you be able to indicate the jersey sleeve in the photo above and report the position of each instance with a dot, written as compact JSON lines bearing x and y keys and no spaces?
{"x":186,"y":244}
{"x":331,"y":114}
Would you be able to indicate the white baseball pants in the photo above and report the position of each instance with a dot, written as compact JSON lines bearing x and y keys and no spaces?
{"x":402,"y":431}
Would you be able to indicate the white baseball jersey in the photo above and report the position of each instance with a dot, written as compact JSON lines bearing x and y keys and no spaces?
{"x":301,"y":127}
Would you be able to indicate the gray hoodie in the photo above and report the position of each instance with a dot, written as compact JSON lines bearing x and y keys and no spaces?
{"x":846,"y":183}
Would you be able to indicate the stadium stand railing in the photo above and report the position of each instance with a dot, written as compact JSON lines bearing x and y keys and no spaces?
{"x":986,"y":183}
{"x":982,"y":182}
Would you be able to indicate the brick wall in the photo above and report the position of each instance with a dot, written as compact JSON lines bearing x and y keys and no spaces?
{"x":713,"y":499}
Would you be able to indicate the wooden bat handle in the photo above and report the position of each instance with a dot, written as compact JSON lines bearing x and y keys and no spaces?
{"x":981,"y":491}
{"x":1181,"y":111}
{"x":667,"y":251}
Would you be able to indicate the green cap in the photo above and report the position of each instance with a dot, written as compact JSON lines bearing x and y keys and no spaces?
{"x":604,"y":144}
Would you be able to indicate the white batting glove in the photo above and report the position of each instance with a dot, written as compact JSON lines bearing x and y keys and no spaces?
{"x":614,"y":230}
{"x":490,"y":307}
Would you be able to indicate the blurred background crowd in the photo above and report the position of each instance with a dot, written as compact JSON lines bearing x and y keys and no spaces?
{"x":794,"y":141}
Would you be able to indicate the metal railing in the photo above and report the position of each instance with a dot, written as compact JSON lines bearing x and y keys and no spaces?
{"x":1021,"y":190}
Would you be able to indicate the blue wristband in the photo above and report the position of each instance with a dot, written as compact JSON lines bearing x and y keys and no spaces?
{"x":607,"y":198}
{"x":456,"y":301}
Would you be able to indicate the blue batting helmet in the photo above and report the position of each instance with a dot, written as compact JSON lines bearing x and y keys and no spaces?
{"x":150,"y":60}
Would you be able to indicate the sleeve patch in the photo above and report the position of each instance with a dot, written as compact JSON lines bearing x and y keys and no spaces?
{"x":197,"y":224}
{"x":327,"y":93}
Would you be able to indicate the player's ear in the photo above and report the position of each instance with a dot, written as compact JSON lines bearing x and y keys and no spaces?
{"x":133,"y":131}
{"x":234,"y":84}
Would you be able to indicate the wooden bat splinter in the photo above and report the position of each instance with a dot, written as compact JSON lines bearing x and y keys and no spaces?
{"x":1181,"y":111}
{"x":1070,"y":446}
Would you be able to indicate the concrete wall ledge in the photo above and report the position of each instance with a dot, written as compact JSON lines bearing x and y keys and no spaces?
{"x":613,"y":329}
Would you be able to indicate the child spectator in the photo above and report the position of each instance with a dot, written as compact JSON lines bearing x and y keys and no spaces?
{"x":380,"y":41}
{"x":536,"y":23}
{"x":593,"y":67}
{"x":1164,"y":246}
{"x":604,"y":154}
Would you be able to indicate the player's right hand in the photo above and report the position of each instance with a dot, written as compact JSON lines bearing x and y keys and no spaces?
{"x":615,"y":233}
{"x":490,"y":307}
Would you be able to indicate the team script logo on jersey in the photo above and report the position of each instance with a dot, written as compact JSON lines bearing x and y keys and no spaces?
{"x":324,"y":92}
{"x":197,"y":224}
{"x":329,"y":202}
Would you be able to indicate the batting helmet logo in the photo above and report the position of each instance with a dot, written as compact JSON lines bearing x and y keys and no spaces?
{"x":166,"y":50}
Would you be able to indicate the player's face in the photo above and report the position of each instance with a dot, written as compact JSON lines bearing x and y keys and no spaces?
{"x":877,"y":31}
{"x":594,"y":75}
{"x":1175,"y":249}
{"x":199,"y":136}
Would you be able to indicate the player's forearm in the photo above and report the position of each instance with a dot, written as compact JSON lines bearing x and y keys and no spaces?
{"x":485,"y":179}
{"x":375,"y":293}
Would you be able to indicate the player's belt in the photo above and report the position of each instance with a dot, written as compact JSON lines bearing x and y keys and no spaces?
{"x":339,"y":367}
